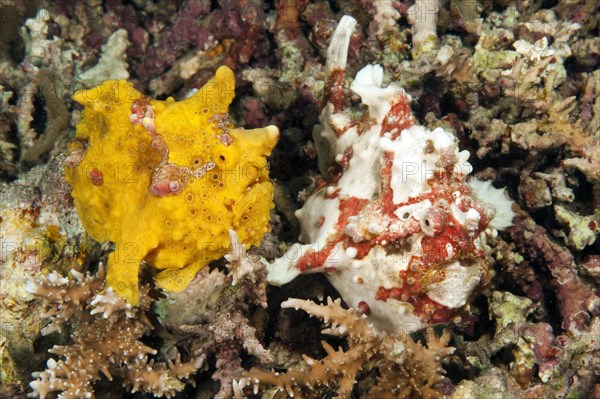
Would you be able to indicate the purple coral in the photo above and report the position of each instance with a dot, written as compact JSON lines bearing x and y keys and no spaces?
{"x":578,"y":302}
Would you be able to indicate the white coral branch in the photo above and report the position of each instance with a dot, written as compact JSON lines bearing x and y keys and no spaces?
{"x":423,"y":18}
{"x":240,"y":263}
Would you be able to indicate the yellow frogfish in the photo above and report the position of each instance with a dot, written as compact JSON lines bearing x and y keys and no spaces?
{"x":166,"y":181}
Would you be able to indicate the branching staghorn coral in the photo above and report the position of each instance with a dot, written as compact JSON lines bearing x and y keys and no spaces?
{"x":407,"y":369}
{"x":106,"y":341}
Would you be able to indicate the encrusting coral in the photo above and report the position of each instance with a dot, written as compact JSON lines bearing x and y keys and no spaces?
{"x":106,"y":341}
{"x":423,"y":17}
{"x":166,"y":181}
{"x":536,"y":352}
{"x":406,"y":368}
{"x":579,"y":302}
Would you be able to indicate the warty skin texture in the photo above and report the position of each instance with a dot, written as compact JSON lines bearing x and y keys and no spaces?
{"x":397,"y":228}
{"x":167,"y":180}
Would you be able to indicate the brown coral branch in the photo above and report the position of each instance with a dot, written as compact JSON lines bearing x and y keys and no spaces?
{"x":407,"y":369}
{"x":65,"y":297}
{"x":337,"y":317}
{"x":106,"y":340}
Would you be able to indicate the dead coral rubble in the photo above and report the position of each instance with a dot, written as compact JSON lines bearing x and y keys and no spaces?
{"x":406,"y":368}
{"x":215,"y":315}
{"x":530,"y":113}
{"x":543,"y":364}
{"x":577,"y":300}
{"x":106,"y":341}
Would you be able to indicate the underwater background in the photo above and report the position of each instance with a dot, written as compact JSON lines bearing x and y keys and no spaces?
{"x":227,"y":128}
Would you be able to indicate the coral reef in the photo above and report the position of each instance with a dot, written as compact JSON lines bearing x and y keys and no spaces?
{"x":579,"y":302}
{"x":405,"y":367}
{"x":112,"y":63}
{"x":106,"y":341}
{"x":516,"y":84}
{"x":166,"y":181}
{"x":210,"y":317}
{"x":39,"y":232}
{"x":399,"y":231}
{"x":215,"y":313}
{"x":48,"y":61}
{"x":535,"y":350}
